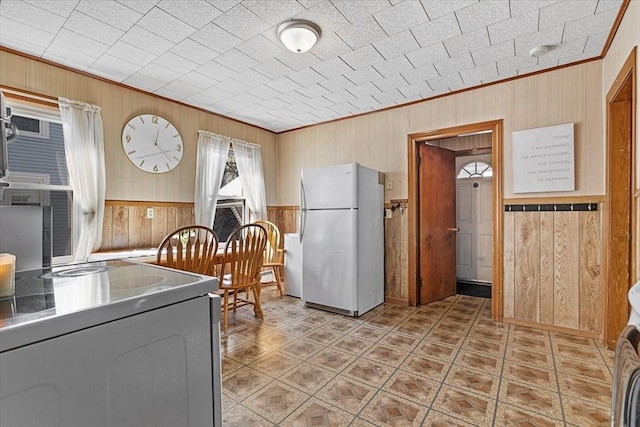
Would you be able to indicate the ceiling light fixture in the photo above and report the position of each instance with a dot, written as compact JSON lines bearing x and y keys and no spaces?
{"x":538,"y":51}
{"x":298,"y":35}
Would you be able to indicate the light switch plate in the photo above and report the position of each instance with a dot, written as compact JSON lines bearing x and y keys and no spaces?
{"x":389,"y":184}
{"x":150,"y":213}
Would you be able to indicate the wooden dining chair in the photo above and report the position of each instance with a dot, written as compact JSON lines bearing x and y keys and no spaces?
{"x":273,"y":255}
{"x":240,"y":270}
{"x":190,"y":248}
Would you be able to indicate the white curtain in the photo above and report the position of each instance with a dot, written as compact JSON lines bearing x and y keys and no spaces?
{"x":84,"y":149}
{"x":211,"y":159}
{"x":249,"y":161}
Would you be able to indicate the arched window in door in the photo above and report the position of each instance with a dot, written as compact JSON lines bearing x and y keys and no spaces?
{"x":475,"y":169}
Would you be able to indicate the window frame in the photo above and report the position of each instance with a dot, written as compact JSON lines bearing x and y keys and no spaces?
{"x":475,"y":175}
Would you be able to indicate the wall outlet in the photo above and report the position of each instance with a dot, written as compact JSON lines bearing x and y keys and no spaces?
{"x":388,"y":213}
{"x":150,"y":213}
{"x":389,"y":184}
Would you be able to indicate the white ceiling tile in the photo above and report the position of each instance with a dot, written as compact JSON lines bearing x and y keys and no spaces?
{"x":264,"y":92}
{"x":144,"y":82}
{"x":168,"y":93}
{"x":550,"y":36}
{"x":300,"y":108}
{"x":401,"y":17}
{"x":362,"y":57}
{"x":390,"y":97}
{"x":595,"y":43}
{"x":274,"y":11}
{"x":110,"y":12}
{"x":196,"y":13}
{"x":165,"y":25}
{"x":59,"y":7}
{"x":236,"y":60}
{"x":246,"y":99}
{"x":229,"y":105}
{"x":589,"y":25}
{"x":20,"y":36}
{"x":223,"y":5}
{"x":324,"y":113}
{"x":339,"y":96}
{"x":183,"y":88}
{"x":477,"y":74}
{"x":90,"y":27}
{"x":293,"y":97}
{"x":396,"y":65}
{"x":557,"y":13}
{"x":416,"y":91}
{"x":389,"y":83}
{"x":273,"y":69}
{"x":532,"y":69}
{"x":518,"y":7}
{"x":366,"y":103}
{"x":420,"y":74}
{"x":363,"y":75}
{"x":511,"y":28}
{"x":198,"y":80}
{"x":357,"y":10}
{"x":147,"y":41}
{"x":398,"y":44}
{"x":325,"y":15}
{"x":467,"y":42}
{"x":80,"y":43}
{"x":194,"y":51}
{"x":113,"y":68}
{"x":232,"y":85}
{"x":510,"y":66}
{"x":437,"y":8}
{"x":360,"y":33}
{"x":275,"y":103}
{"x":337,"y":83}
{"x":253,"y":78}
{"x":494,"y":53}
{"x":216,"y":38}
{"x":432,"y":32}
{"x":171,"y":61}
{"x":363,"y":90}
{"x":445,"y":83}
{"x":343,"y":108}
{"x":129,"y":53}
{"x":319,"y":102}
{"x":215,"y":93}
{"x":298,"y":61}
{"x":216,"y":71}
{"x":31,"y":15}
{"x":564,"y":50}
{"x":142,"y":6}
{"x":329,"y":46}
{"x":241,"y":22}
{"x":453,"y":65}
{"x":333,"y":67}
{"x":428,"y":55}
{"x":284,"y":85}
{"x":260,"y":48}
{"x":65,"y":56}
{"x":159,"y":72}
{"x":313,"y":91}
{"x":482,"y":14}
{"x":306,"y":77}
{"x":604,"y":5}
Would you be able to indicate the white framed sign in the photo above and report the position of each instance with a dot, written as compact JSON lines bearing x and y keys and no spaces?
{"x":543,"y":159}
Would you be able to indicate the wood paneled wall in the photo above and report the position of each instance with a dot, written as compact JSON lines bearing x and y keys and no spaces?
{"x":552,"y":269}
{"x":287,"y":218}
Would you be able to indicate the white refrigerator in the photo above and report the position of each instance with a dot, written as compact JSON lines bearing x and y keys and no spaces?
{"x":341,"y":233}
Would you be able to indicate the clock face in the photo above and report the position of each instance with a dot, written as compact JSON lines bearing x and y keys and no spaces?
{"x":152,"y":143}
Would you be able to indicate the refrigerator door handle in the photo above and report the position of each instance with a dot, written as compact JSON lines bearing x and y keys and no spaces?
{"x":303,"y":210}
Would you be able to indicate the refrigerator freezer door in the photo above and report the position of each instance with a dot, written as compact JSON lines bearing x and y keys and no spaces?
{"x":333,"y":187}
{"x":329,"y":269}
{"x":292,"y":265}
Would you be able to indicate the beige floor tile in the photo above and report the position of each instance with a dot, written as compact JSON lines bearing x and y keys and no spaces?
{"x":275,"y":364}
{"x":383,"y":321}
{"x":297,"y":328}
{"x":452,"y":326}
{"x":228,"y":402}
{"x":488,"y":333}
{"x":581,"y":368}
{"x":346,"y":393}
{"x":275,"y":401}
{"x":399,"y":341}
{"x":445,"y":337}
{"x":536,"y":377}
{"x":367,"y":332}
{"x":410,"y":386}
{"x":302,"y":348}
{"x":512,"y":416}
{"x":528,"y":332}
{"x":230,"y":365}
{"x":307,"y":377}
{"x":586,"y":389}
{"x":438,"y":419}
{"x":385,"y":354}
{"x":317,"y":413}
{"x":323,"y":336}
{"x":531,"y":358}
{"x":480,"y":345}
{"x":317,"y":317}
{"x":473,"y":381}
{"x":414,"y":328}
{"x":479,"y":362}
{"x":469,"y":407}
{"x":538,"y":400}
{"x":425,"y":366}
{"x":424,"y":317}
{"x":541,"y":345}
{"x":572,"y":340}
{"x":244,"y":382}
{"x":368,"y":371}
{"x":359,"y":422}
{"x":332,"y":359}
{"x":436,"y":350}
{"x":341,"y":326}
{"x":386,"y":409}
{"x":569,"y":351}
{"x":248,"y":351}
{"x":582,"y":413}
{"x":240,"y":416}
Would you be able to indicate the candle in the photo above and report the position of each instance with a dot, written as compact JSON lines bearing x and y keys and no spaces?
{"x":7,"y":274}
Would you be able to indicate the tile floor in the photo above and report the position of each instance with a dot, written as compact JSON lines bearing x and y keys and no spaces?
{"x":444,"y":364}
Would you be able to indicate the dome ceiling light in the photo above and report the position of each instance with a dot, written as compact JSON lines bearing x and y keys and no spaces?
{"x":298,"y":35}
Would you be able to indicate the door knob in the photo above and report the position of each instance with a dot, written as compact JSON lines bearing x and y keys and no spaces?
{"x":453,"y":229}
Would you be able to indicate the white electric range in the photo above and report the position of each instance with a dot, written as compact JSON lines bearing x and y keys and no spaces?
{"x":110,"y":343}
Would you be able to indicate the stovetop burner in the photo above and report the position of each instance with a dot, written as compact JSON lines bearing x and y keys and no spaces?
{"x":76,"y":272}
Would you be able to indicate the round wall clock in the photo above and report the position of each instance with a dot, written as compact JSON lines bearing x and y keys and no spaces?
{"x":152,"y":143}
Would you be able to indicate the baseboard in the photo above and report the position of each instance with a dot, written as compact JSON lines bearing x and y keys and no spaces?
{"x":396,"y":301}
{"x":552,"y":328}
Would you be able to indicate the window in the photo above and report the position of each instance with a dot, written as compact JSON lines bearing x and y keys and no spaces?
{"x":38,"y":174}
{"x":231,"y":206}
{"x":475,"y":169}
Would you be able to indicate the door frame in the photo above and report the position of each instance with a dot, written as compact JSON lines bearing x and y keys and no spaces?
{"x":496,"y":127}
{"x":615,"y":292}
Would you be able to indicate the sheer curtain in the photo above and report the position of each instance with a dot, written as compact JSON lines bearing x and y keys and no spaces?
{"x":210,"y":162}
{"x":84,"y":149}
{"x":249,"y":161}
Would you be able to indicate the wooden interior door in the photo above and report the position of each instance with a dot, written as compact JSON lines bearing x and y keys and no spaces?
{"x":437,"y":222}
